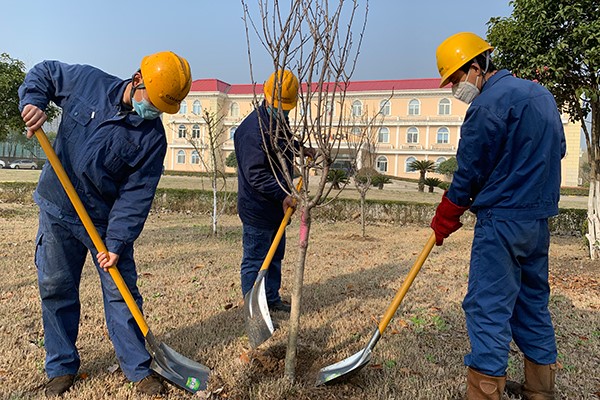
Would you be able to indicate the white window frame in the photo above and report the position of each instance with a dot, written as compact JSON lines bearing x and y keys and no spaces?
{"x":382,"y":164}
{"x":444,"y":107}
{"x":414,"y":107}
{"x":445,"y":132}
{"x":383,"y":131}
{"x":412,"y":135}
{"x":181,"y":157}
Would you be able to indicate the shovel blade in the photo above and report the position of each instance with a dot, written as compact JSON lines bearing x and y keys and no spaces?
{"x":259,"y":325}
{"x":179,"y":370}
{"x":344,"y":369}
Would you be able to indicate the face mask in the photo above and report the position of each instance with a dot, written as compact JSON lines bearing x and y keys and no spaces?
{"x":465,"y":91}
{"x":274,"y":111}
{"x":145,"y":110}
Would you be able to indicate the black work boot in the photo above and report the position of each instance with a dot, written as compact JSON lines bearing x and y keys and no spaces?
{"x":58,"y":385}
{"x":280,"y":306}
{"x":151,"y":385}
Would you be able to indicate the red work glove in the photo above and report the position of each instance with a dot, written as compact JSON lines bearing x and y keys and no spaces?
{"x":446,"y":219}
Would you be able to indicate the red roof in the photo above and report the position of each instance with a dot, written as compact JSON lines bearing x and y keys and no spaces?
{"x":215,"y":85}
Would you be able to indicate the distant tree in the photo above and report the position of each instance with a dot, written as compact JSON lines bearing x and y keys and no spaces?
{"x":12,"y":74}
{"x":423,"y":166}
{"x":231,"y":160}
{"x":337,"y":176}
{"x":448,"y":167}
{"x":432,"y":183}
{"x":557,"y":43}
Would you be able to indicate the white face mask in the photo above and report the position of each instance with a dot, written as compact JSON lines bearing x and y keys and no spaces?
{"x":465,"y":91}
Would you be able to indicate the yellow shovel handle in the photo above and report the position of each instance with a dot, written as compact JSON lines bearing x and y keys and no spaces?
{"x":279,"y":234}
{"x":406,"y":285}
{"x":90,"y":228}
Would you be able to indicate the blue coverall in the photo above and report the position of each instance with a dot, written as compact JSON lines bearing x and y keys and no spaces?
{"x":260,"y":198}
{"x":114,"y":159}
{"x":512,"y":141}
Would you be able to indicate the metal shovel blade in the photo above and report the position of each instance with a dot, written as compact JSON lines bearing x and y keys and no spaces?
{"x":259,"y":325}
{"x":349,"y":366}
{"x":179,"y":370}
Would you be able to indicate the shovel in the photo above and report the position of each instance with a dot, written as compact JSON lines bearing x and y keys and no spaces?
{"x":259,"y":325}
{"x":177,"y":369}
{"x":351,"y":365}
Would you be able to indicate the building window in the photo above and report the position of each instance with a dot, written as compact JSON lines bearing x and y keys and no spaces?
{"x":232,"y":132}
{"x":382,"y":164}
{"x":195,"y":157}
{"x":183,"y":108}
{"x":234,"y":109}
{"x":439,"y":161}
{"x":181,"y":132}
{"x":356,"y":131}
{"x":197,"y":107}
{"x":412,"y":135}
{"x":385,"y":107}
{"x":195,"y":132}
{"x":383,"y":135}
{"x":409,"y":161}
{"x":444,"y":107}
{"x":443,"y":135}
{"x":414,"y":107}
{"x":181,"y":157}
{"x":356,"y":108}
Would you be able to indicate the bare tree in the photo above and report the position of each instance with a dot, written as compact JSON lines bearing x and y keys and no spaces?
{"x":320,"y":43}
{"x":362,"y":139}
{"x":208,"y":150}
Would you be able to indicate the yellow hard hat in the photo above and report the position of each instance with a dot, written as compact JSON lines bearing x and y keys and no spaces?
{"x":456,"y":51}
{"x":289,"y":89}
{"x":167,"y":78}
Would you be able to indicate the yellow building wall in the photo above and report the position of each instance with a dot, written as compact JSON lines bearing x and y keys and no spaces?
{"x":395,"y":152}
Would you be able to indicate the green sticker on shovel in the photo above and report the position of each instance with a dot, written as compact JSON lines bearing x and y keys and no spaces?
{"x":192,"y":383}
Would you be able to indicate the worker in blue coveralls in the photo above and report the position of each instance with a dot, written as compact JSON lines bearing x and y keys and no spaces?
{"x":111,"y":143}
{"x":511,"y":145}
{"x":262,"y":201}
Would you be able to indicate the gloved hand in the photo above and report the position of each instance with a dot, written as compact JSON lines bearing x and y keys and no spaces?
{"x":446,"y":219}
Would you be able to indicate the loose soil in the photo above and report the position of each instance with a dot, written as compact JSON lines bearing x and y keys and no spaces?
{"x":190,"y":283}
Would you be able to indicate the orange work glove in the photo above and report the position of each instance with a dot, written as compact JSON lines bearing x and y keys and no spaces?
{"x":446,"y":219}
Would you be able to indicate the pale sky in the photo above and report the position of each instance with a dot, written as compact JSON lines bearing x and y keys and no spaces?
{"x":400,"y":39}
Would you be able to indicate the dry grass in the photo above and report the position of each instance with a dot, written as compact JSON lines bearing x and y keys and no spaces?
{"x":190,"y":282}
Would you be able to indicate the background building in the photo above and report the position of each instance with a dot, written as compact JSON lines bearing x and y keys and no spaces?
{"x":418,"y":121}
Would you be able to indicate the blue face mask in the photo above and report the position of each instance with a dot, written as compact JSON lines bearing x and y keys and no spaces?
{"x":144,"y":108}
{"x":273,"y":111}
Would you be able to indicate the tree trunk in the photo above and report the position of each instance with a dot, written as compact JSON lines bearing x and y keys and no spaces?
{"x":593,"y":217}
{"x":422,"y":181}
{"x":362,"y":213}
{"x":292,"y":347}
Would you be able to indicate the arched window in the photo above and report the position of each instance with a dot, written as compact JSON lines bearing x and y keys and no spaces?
{"x":412,"y":135}
{"x":234,"y":110}
{"x":357,"y":108}
{"x":385,"y":107}
{"x":232,"y":132}
{"x":444,"y":107}
{"x":181,"y":157}
{"x":356,"y":131}
{"x":439,"y":161}
{"x":382,"y":164}
{"x":181,"y":132}
{"x":407,"y":167}
{"x":183,"y":108}
{"x":195,"y":157}
{"x":443,"y":135}
{"x":197,"y":107}
{"x":196,"y":131}
{"x":384,"y":135}
{"x":414,"y":107}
